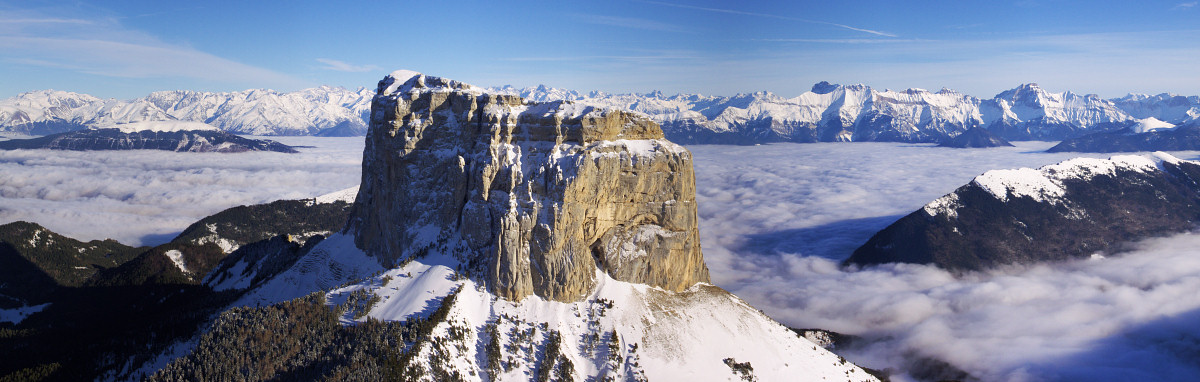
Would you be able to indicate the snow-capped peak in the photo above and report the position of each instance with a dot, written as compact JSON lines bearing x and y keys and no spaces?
{"x":1150,"y":124}
{"x":1045,"y":184}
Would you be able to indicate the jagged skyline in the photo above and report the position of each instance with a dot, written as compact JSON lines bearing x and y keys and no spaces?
{"x":128,"y":49}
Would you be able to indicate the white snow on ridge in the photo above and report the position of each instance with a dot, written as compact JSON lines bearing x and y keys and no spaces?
{"x":1150,"y":124}
{"x":177,"y":258}
{"x":347,"y":195}
{"x":255,"y":111}
{"x":947,"y":205}
{"x":1045,"y":184}
{"x":668,"y":336}
{"x":160,"y":126}
{"x":1019,"y":182}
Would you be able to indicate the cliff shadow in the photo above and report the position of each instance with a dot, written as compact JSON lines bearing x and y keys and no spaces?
{"x":21,"y":281}
{"x":834,"y":241}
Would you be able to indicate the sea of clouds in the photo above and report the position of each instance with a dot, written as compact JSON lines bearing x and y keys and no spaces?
{"x":146,"y":197}
{"x":775,"y":222}
{"x":777,"y":219}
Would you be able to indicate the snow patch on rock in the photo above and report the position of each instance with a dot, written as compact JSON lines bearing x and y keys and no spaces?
{"x":177,"y":258}
{"x":347,"y":195}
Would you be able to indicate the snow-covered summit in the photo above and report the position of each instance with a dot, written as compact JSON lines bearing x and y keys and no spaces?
{"x":404,"y":81}
{"x":1045,"y":184}
{"x":1149,"y":124}
{"x":1068,"y":210}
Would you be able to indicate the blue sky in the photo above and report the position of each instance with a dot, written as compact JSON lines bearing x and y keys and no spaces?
{"x":127,"y":48}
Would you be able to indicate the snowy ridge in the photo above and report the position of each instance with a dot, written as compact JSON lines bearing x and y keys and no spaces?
{"x":315,"y":111}
{"x":658,"y":335}
{"x":1045,"y":184}
{"x":831,"y":112}
{"x":348,"y":195}
{"x":828,"y":112}
{"x":160,"y":126}
{"x":1171,"y":108}
{"x":1150,"y":124}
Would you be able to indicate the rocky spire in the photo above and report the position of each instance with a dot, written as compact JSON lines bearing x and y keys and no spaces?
{"x":531,"y":197}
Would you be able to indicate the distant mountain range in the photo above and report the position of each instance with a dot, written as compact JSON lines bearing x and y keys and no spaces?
{"x":827,"y":113}
{"x":322,"y":111}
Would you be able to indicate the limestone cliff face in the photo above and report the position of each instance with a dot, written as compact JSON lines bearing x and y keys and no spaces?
{"x":533,"y":197}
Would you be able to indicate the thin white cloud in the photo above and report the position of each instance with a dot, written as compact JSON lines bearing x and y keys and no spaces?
{"x":342,"y":66}
{"x":629,"y":22}
{"x":639,"y":58}
{"x":767,"y":15}
{"x":103,"y":46}
{"x":1186,"y":5}
{"x":841,"y":40}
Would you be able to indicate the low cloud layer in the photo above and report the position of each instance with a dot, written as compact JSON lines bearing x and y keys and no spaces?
{"x":777,"y":219}
{"x":145,"y":197}
{"x":775,"y":222}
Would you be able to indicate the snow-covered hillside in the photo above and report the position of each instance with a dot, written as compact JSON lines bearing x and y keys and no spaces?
{"x":619,"y":330}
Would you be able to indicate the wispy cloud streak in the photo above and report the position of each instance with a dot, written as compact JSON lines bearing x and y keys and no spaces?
{"x":629,"y":22}
{"x":342,"y":66}
{"x":744,"y":13}
{"x":102,"y":46}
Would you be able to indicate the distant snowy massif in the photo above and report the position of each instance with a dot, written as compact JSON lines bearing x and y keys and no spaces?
{"x":827,"y":113}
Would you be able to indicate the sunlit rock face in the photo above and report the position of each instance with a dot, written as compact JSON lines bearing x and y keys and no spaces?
{"x":533,"y":197}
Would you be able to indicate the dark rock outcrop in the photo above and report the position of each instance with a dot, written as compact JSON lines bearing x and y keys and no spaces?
{"x":1125,"y":140}
{"x":1064,"y":211}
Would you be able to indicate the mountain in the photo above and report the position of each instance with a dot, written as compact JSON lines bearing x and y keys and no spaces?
{"x":118,"y":306}
{"x":503,"y":240}
{"x":1030,"y":113}
{"x":1148,"y":134}
{"x":1174,"y":109}
{"x":317,"y":111}
{"x":171,"y":140}
{"x":1074,"y":209}
{"x":826,"y":113}
{"x":831,"y":112}
{"x":35,"y":261}
{"x":975,"y":137}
